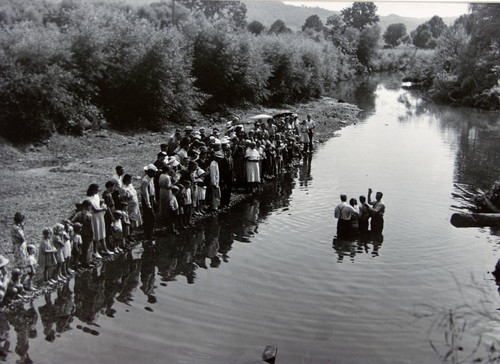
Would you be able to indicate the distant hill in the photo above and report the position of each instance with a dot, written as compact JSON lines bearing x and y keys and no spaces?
{"x":267,"y":12}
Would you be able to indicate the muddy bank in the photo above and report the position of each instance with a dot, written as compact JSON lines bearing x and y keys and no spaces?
{"x":45,"y":181}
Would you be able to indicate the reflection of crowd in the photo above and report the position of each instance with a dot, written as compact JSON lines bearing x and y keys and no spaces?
{"x":96,"y":291}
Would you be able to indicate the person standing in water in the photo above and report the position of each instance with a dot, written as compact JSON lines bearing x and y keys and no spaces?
{"x":343,"y":212}
{"x":377,"y":211}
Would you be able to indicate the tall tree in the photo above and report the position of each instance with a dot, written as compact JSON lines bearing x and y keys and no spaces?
{"x":436,"y":26}
{"x":394,"y":34}
{"x":279,"y":27}
{"x":313,"y":22}
{"x":360,"y":15}
{"x":256,"y":27}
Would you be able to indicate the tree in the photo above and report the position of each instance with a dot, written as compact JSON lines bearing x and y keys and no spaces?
{"x":360,"y":15}
{"x":235,"y":11}
{"x":426,"y":34}
{"x":436,"y":26}
{"x":279,"y":27}
{"x":313,"y":22}
{"x":394,"y":34}
{"x":368,"y":44}
{"x":256,"y":27}
{"x":421,"y":36}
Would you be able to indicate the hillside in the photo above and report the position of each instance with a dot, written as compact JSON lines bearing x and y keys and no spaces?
{"x":267,"y":12}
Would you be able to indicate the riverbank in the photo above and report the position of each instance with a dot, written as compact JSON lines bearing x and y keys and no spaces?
{"x":45,"y":181}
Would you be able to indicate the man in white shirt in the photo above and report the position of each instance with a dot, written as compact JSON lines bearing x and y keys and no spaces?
{"x":343,"y":212}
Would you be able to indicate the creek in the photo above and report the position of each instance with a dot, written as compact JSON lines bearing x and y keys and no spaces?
{"x":268,"y":273}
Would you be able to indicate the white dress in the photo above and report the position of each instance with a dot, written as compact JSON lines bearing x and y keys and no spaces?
{"x":252,"y":157}
{"x":98,"y":223}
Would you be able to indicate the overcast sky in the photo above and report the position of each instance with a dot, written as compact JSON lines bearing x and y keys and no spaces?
{"x":403,"y":8}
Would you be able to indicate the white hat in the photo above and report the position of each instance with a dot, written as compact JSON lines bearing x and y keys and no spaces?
{"x":224,"y":140}
{"x":173,"y":161}
{"x":151,"y":167}
{"x":3,"y":261}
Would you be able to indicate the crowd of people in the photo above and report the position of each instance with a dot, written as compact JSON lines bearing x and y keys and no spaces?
{"x":355,"y":220}
{"x":194,"y":174}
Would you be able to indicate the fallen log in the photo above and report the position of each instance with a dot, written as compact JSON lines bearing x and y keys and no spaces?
{"x":463,"y":219}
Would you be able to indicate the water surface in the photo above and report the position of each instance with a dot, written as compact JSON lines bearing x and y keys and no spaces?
{"x":267,"y":273}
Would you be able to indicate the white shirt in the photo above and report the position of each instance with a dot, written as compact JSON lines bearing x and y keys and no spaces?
{"x":343,"y":211}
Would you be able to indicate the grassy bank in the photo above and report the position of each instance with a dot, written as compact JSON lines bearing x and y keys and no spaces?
{"x":45,"y":181}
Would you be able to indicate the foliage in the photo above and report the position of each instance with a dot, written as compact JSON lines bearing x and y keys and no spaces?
{"x":256,"y":27}
{"x":67,"y":65}
{"x":313,"y":22}
{"x":426,"y":34}
{"x":229,"y":68}
{"x":233,"y":11}
{"x":368,"y":45}
{"x":394,"y":34}
{"x":279,"y":27}
{"x":360,"y":15}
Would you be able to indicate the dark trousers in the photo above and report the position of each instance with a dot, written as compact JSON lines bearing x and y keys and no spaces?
{"x":148,"y":221}
{"x":310,"y":140}
{"x":343,"y":229}
{"x":377,"y":224}
{"x":85,"y":249}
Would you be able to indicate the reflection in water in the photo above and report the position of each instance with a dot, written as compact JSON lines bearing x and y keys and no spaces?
{"x":350,"y":248}
{"x":143,"y":273}
{"x":478,"y":142}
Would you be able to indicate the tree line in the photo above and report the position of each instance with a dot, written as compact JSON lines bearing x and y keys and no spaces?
{"x":70,"y":65}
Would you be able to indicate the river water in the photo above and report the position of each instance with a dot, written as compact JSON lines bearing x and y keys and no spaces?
{"x":268,"y":273}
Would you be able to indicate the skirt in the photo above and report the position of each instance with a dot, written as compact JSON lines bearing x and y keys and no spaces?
{"x":98,"y":225}
{"x":253,"y":171}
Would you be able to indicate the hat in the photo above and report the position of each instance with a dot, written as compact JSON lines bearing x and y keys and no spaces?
{"x":219,"y":154}
{"x":224,"y":140}
{"x":217,"y":141}
{"x":188,"y":128}
{"x":197,"y":136}
{"x":161,"y":154}
{"x":31,"y":247}
{"x":151,"y":167}
{"x":174,"y":188}
{"x":172,"y":161}
{"x":202,"y":129}
{"x":3,"y":261}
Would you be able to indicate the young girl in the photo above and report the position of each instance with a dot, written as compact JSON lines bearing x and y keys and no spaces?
{"x":58,"y":242}
{"x":187,"y":203}
{"x":77,"y":244}
{"x":68,"y":228}
{"x":46,"y":257}
{"x":19,"y":243}
{"x":31,"y":269}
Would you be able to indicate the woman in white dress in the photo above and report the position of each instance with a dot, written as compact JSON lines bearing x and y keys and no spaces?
{"x":98,"y":224}
{"x":252,"y":157}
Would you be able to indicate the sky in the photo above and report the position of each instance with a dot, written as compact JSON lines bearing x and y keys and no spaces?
{"x":421,"y":9}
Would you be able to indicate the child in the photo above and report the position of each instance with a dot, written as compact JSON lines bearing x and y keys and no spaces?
{"x":84,"y":217}
{"x":68,"y":227}
{"x":58,"y":242}
{"x":19,"y":243}
{"x":31,"y":268}
{"x":117,"y":230}
{"x":173,"y":207}
{"x":46,"y":257}
{"x":15,"y":289}
{"x":76,"y":244}
{"x":187,"y":203}
{"x":4,"y":280}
